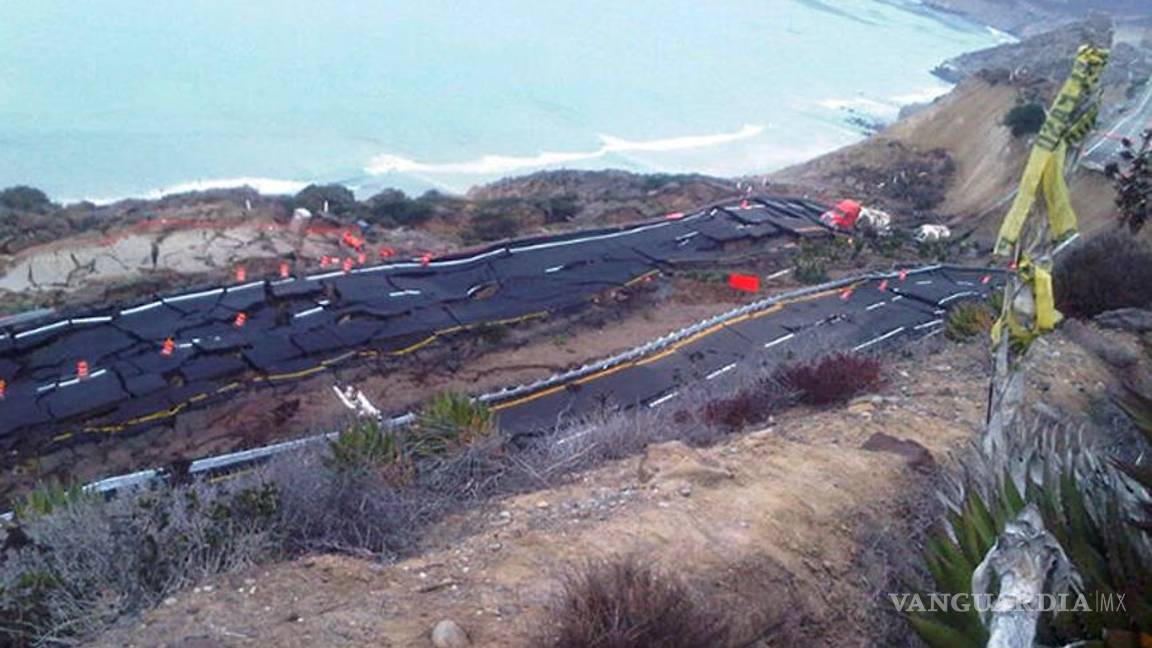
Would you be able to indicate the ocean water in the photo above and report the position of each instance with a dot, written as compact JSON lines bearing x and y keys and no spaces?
{"x":116,"y":98}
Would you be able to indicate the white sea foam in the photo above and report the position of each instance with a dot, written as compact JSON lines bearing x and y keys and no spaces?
{"x":860,"y":104}
{"x":1002,"y":36}
{"x":497,"y":164}
{"x":888,"y":108}
{"x":266,"y":186}
{"x":924,"y":95}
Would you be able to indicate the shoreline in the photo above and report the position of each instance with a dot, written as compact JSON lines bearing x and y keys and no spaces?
{"x":860,"y":114}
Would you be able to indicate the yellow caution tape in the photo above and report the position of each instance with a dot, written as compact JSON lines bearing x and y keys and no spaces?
{"x":1070,"y":119}
{"x":1045,"y":317}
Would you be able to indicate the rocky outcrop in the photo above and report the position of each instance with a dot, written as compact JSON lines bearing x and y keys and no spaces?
{"x":1026,"y":17}
{"x":1045,"y":56}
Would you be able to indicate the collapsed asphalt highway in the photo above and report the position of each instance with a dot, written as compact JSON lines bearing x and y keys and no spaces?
{"x":872,"y":313}
{"x":97,"y":373}
{"x":866,"y":315}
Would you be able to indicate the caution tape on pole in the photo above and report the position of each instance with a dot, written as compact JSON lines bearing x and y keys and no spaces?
{"x":1070,"y":119}
{"x":1037,"y":283}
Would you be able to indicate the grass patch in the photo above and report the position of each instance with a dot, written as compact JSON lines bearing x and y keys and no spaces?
{"x":626,"y":604}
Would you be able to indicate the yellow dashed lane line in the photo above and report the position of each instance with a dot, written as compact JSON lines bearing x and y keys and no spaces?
{"x":673,"y":348}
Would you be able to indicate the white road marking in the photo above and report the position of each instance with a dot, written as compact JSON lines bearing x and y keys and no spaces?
{"x":722,"y":370}
{"x":326,"y":275}
{"x":42,"y":329}
{"x":310,"y":311}
{"x":553,"y":269}
{"x":91,"y":320}
{"x":76,"y":381}
{"x":964,"y":293}
{"x":780,"y":340}
{"x":927,"y":324}
{"x":878,"y":304}
{"x":140,"y":309}
{"x":895,"y":331}
{"x":180,"y":298}
{"x":246,"y":286}
{"x":663,"y":399}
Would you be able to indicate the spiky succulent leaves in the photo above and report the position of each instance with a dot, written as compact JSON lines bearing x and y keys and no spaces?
{"x":940,"y":635}
{"x":450,"y":420}
{"x":952,"y":573}
{"x":1138,"y":407}
{"x":363,"y":446}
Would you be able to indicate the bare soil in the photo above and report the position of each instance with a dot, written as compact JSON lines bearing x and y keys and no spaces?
{"x":795,"y":519}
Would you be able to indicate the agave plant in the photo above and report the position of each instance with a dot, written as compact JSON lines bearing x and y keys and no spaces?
{"x":1086,"y":503}
{"x":968,"y":320}
{"x":1138,"y":407}
{"x":450,"y":420}
{"x":364,"y":446}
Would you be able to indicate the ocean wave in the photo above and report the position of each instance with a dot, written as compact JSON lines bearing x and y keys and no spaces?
{"x":887,"y":108}
{"x":861,"y":104}
{"x":1004,"y":37}
{"x":266,"y":186}
{"x":923,"y":95}
{"x":500,"y":164}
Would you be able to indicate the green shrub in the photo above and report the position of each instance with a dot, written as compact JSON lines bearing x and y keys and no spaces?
{"x":1133,"y":184}
{"x":1106,"y":550}
{"x":810,"y":270}
{"x":934,"y":250}
{"x":492,"y":225}
{"x":363,"y":446}
{"x":560,"y":209}
{"x":1025,"y":119}
{"x":394,"y":208}
{"x":26,"y":199}
{"x":340,"y":199}
{"x":451,"y":419}
{"x":1105,"y":273}
{"x":494,"y":333}
{"x":48,"y":497}
{"x":968,"y":320}
{"x":83,"y":566}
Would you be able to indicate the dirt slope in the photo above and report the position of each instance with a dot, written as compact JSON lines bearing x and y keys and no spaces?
{"x":987,"y":164}
{"x":796,"y":515}
{"x":779,"y":509}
